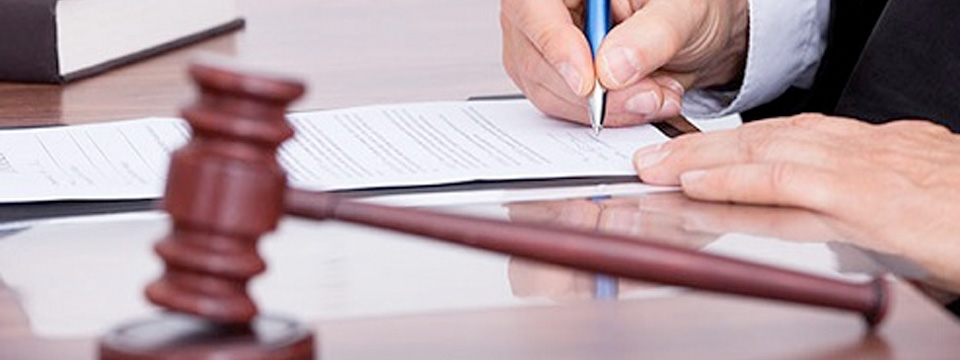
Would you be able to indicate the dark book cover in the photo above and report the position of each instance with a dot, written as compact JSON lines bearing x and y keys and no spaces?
{"x":28,"y":51}
{"x":28,"y":44}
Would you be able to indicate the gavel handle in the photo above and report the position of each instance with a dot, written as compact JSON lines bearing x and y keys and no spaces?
{"x":614,"y":255}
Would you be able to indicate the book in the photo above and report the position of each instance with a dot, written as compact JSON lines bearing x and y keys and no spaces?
{"x":56,"y":41}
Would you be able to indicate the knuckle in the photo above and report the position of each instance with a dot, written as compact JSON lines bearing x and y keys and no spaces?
{"x":512,"y":72}
{"x":936,"y":129}
{"x":755,"y":145}
{"x":524,"y":63}
{"x":539,"y":99}
{"x":511,"y":68}
{"x":526,"y":66}
{"x":549,"y":39}
{"x":891,"y":158}
{"x":919,"y":126}
{"x":781,"y":179}
{"x":510,"y":9}
{"x":682,"y":142}
{"x":623,"y":120}
{"x":546,"y":102}
{"x":672,"y":84}
{"x":893,"y":136}
{"x":668,"y":32}
{"x":806,"y":120}
{"x":908,"y":136}
{"x":669,"y":36}
{"x":901,"y":126}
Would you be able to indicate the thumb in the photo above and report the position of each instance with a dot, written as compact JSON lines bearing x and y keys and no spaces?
{"x":643,"y":43}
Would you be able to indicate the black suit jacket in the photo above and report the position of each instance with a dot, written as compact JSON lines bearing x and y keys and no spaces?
{"x":885,"y":60}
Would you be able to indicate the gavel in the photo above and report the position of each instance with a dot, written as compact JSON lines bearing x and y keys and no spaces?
{"x":226,"y":188}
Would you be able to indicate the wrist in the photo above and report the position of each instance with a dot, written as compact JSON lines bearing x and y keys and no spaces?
{"x":730,"y":29}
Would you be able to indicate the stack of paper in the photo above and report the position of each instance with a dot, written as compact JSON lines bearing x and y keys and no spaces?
{"x":366,"y":147}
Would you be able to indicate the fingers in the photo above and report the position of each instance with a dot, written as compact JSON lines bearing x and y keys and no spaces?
{"x":541,"y":83}
{"x":550,"y":29}
{"x":722,"y":218}
{"x":578,"y":214}
{"x":645,"y":42}
{"x":802,"y":161}
{"x":663,"y":228}
{"x":782,"y":184}
{"x":652,"y":99}
{"x":550,"y":103}
{"x":530,"y":278}
{"x":547,"y":56}
{"x":776,"y":141}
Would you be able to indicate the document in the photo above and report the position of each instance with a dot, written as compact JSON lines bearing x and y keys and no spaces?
{"x":355,"y":148}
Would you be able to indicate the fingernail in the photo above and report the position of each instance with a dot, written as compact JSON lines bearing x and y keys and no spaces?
{"x":691,"y":177}
{"x":571,"y":76}
{"x":647,"y":103}
{"x":646,"y":160}
{"x":671,"y":107}
{"x":621,"y":65}
{"x":676,"y":87}
{"x":648,"y":149}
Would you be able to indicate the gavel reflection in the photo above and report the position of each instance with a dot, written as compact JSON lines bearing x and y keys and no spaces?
{"x":662,"y":217}
{"x":226,"y":188}
{"x":609,"y":254}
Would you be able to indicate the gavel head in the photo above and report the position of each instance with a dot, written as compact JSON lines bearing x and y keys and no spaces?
{"x":224,"y":190}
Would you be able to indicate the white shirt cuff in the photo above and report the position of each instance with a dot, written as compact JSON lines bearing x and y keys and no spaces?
{"x":787,"y":39}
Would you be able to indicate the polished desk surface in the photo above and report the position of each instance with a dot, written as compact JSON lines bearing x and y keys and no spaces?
{"x":454,"y":303}
{"x":372,"y":294}
{"x":354,"y":52}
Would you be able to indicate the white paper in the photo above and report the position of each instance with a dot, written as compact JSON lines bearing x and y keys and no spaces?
{"x":104,"y":161}
{"x":365,"y":147}
{"x":451,"y":142}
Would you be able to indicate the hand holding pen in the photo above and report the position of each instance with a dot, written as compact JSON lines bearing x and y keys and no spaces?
{"x":655,"y":51}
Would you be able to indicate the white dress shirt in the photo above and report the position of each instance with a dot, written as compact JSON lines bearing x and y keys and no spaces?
{"x":786,"y":41}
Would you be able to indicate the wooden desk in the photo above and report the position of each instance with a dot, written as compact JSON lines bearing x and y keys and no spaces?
{"x":365,"y":51}
{"x":351,"y":53}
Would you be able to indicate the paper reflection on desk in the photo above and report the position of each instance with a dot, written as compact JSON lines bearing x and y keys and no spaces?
{"x":81,"y":278}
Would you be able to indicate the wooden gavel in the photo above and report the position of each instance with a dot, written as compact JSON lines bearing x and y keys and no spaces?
{"x":226,"y":189}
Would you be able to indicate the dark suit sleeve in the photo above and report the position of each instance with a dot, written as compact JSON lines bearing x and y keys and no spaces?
{"x":885,"y":60}
{"x":851,"y":22}
{"x":910,"y":67}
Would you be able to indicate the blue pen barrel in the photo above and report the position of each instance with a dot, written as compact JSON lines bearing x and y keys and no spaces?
{"x":597,"y":22}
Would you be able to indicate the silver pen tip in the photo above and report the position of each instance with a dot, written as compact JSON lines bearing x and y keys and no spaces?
{"x":597,"y":106}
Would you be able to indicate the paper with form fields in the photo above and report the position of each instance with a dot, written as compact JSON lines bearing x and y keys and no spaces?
{"x":365,"y":147}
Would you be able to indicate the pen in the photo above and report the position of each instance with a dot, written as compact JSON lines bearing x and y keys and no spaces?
{"x":596,"y":23}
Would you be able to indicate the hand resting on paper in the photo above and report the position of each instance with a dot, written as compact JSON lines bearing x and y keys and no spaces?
{"x":894,"y":187}
{"x":658,"y":49}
